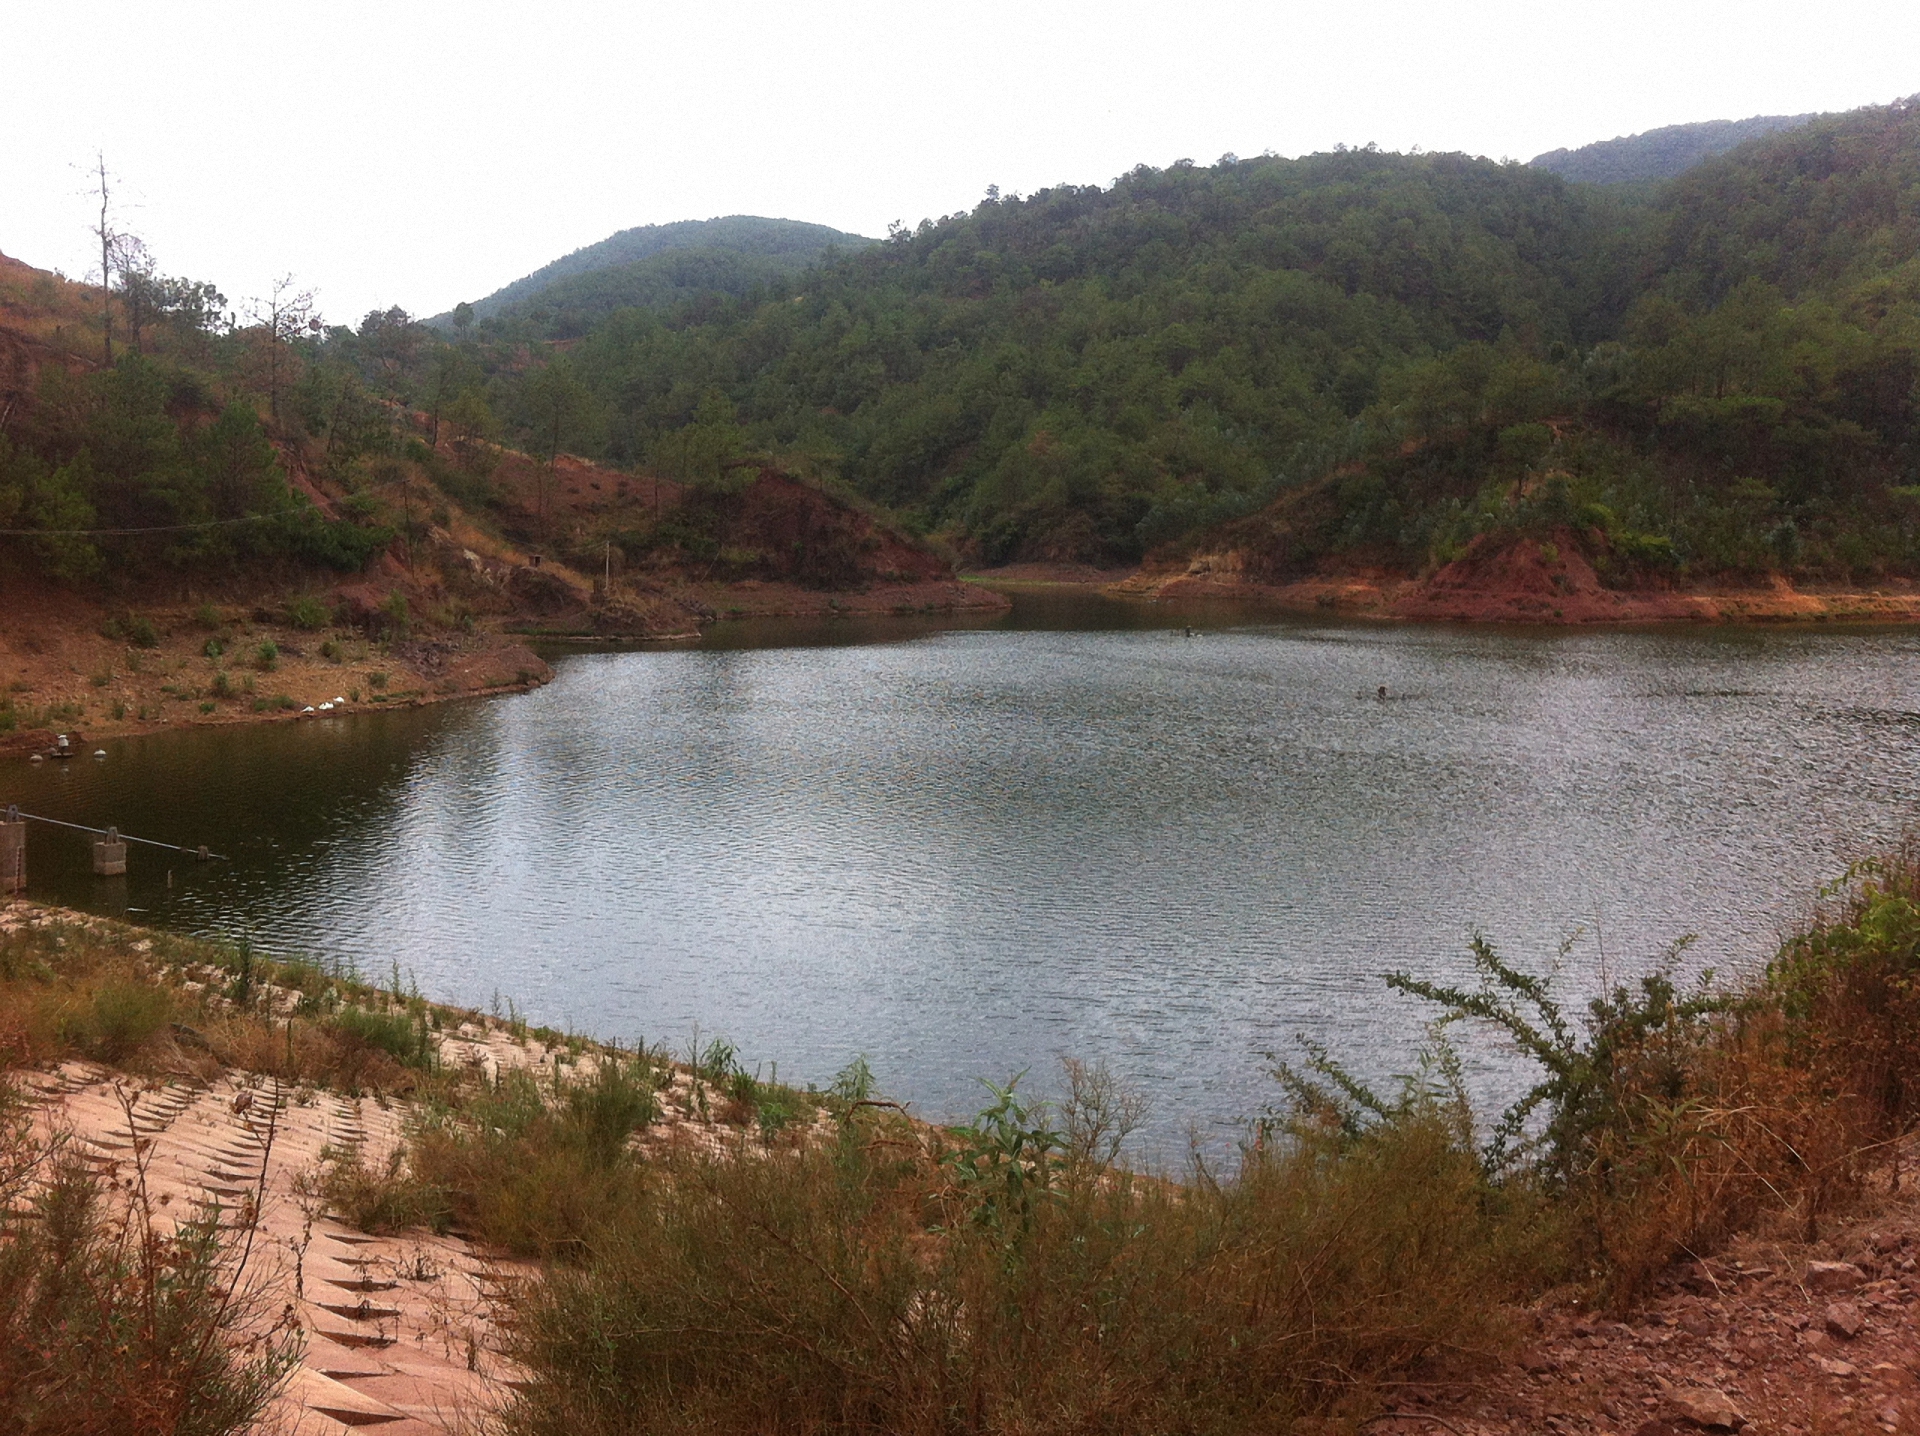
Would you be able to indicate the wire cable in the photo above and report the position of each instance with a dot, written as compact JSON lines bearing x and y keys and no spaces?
{"x":13,"y":815}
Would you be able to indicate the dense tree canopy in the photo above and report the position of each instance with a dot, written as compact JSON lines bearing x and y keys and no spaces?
{"x":1718,"y":372}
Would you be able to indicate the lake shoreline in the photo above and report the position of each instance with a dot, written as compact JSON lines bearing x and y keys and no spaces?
{"x":1521,"y":581}
{"x":1401,"y":601}
{"x":68,"y":675}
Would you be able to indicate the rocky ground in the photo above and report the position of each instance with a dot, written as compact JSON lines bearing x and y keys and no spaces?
{"x":1769,"y":1336}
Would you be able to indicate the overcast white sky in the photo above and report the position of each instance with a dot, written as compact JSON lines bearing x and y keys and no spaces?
{"x":422,"y":153}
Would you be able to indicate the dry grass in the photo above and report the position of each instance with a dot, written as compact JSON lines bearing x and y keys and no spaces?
{"x":883,"y":1283}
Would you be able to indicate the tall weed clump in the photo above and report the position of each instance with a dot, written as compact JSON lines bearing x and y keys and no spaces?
{"x":1010,"y":1276}
{"x":539,"y":1168}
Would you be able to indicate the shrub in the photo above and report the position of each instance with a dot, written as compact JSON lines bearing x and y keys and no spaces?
{"x":121,"y":1018}
{"x":401,"y":1035}
{"x":307,"y":613}
{"x":600,"y":1113}
{"x":266,"y":657}
{"x":1666,"y":1121}
{"x":387,"y":1199}
{"x":393,"y":609}
{"x":1644,"y":549}
{"x":207,"y":616}
{"x":538,"y":1172}
{"x":140,"y":633}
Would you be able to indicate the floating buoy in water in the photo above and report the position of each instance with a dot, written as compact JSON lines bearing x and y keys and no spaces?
{"x":99,"y":752}
{"x":38,"y":758}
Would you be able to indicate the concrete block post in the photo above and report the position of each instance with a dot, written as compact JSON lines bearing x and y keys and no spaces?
{"x":13,"y":856}
{"x":109,"y":855}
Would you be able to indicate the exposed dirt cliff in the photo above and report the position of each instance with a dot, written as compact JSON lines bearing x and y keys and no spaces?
{"x":1510,"y":579}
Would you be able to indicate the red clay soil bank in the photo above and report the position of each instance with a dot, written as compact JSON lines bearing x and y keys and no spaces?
{"x":1771,"y":1338}
{"x":1521,"y":581}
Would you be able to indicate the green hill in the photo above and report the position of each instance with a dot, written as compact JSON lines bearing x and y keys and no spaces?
{"x":1751,"y":411}
{"x":1662,"y":153}
{"x":1712,"y":374}
{"x":661,"y":264}
{"x":1090,"y":371}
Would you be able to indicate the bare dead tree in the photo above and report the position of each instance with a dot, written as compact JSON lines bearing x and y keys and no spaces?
{"x":104,"y":232}
{"x":284,"y":315}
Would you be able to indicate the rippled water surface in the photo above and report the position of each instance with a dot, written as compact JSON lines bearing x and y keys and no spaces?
{"x":967,"y":852}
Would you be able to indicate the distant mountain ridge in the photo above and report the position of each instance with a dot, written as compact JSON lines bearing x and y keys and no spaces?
{"x":1662,"y":153}
{"x":774,"y":243}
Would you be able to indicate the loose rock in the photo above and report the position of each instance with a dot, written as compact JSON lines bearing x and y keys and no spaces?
{"x":1705,"y":1406}
{"x":1829,"y":1276}
{"x":1843,"y":1319}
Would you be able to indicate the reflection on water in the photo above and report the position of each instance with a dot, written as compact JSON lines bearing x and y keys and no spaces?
{"x":967,"y":851}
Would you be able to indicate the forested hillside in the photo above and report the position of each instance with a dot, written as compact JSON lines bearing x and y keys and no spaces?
{"x":1745,"y":402}
{"x":656,"y":266}
{"x":1354,"y":358}
{"x":1403,"y":350}
{"x":158,"y":464}
{"x":1083,"y":373}
{"x":1662,"y":153}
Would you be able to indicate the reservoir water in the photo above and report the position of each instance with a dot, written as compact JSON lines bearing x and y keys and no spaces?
{"x":1075,"y":830}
